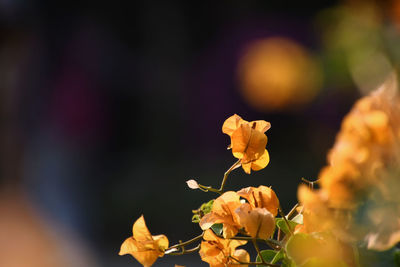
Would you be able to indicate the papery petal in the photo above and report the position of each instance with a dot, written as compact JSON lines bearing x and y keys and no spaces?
{"x":247,"y":167}
{"x":146,"y":258}
{"x":128,"y":246}
{"x":258,"y":222}
{"x":248,"y":144}
{"x":161,"y":242}
{"x":139,"y":252}
{"x":140,"y":231}
{"x":231,"y":124}
{"x":241,"y":255}
{"x":261,"y":125}
{"x":261,"y":197}
{"x":261,"y":162}
{"x":207,"y":221}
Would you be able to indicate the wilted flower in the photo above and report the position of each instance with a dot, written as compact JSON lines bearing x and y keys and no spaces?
{"x":223,"y":211}
{"x":142,"y":245}
{"x":218,"y":252}
{"x":248,"y":142}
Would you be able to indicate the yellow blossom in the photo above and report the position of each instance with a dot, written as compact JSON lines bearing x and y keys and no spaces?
{"x":142,"y":245}
{"x":218,"y":252}
{"x":248,"y":142}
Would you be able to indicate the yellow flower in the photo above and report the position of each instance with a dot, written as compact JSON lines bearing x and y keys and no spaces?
{"x":218,"y":251}
{"x":248,"y":142}
{"x":223,"y":211}
{"x":142,"y":245}
{"x":261,"y":197}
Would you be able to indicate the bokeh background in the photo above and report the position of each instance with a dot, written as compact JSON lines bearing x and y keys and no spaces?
{"x":109,"y":107}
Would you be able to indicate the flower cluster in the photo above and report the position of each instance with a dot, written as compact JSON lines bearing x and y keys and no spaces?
{"x":355,"y":209}
{"x":358,"y":198}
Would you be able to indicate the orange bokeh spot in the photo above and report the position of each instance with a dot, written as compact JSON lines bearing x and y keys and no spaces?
{"x":278,"y":74}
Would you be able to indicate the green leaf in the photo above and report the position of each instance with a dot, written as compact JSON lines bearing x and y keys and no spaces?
{"x":268,"y":255}
{"x":298,"y":219}
{"x":281,"y":224}
{"x":217,"y":228}
{"x":271,"y":256}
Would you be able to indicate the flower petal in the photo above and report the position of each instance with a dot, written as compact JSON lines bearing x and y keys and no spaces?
{"x":231,"y":124}
{"x":140,"y":231}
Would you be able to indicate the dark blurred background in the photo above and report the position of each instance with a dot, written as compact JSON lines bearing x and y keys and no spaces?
{"x":108,"y":107}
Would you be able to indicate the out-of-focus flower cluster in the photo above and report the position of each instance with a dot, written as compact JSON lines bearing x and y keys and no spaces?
{"x":358,"y":199}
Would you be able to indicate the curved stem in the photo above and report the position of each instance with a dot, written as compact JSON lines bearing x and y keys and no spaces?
{"x":293,"y":210}
{"x":258,"y":250}
{"x":226,"y":174}
{"x":285,"y":219}
{"x":221,"y":188}
{"x":270,"y":242}
{"x":186,"y":251}
{"x":182,"y":244}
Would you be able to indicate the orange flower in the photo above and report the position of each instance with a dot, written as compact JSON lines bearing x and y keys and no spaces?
{"x":258,"y":222}
{"x":223,"y":211}
{"x":359,"y":187}
{"x":218,"y":251}
{"x":248,"y":142}
{"x":142,"y":245}
{"x":261,"y":197}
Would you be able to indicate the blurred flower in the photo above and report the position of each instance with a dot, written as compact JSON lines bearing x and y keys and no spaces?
{"x":248,"y":142}
{"x":261,"y":197}
{"x":358,"y":198}
{"x":277,"y":73}
{"x":218,"y":251}
{"x":223,"y":211}
{"x":258,"y":222}
{"x":143,"y":246}
{"x":318,"y":249}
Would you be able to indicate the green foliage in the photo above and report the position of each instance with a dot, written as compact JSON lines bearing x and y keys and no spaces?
{"x":217,"y":228}
{"x":281,"y":224}
{"x":271,"y":256}
{"x":203,"y":210}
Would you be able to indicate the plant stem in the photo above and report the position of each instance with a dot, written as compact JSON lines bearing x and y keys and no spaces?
{"x":258,"y":250}
{"x":182,"y":244}
{"x":185,"y":251}
{"x":221,"y":189}
{"x":293,"y":210}
{"x":226,"y":174}
{"x":270,"y":242}
{"x":285,"y":219}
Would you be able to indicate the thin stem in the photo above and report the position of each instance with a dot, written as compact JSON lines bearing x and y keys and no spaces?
{"x":293,"y":210}
{"x":182,"y":244}
{"x":258,"y":250}
{"x":221,"y":189}
{"x":186,"y":251}
{"x":310,"y":183}
{"x":270,"y":242}
{"x":226,"y":174}
{"x":286,"y":221}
